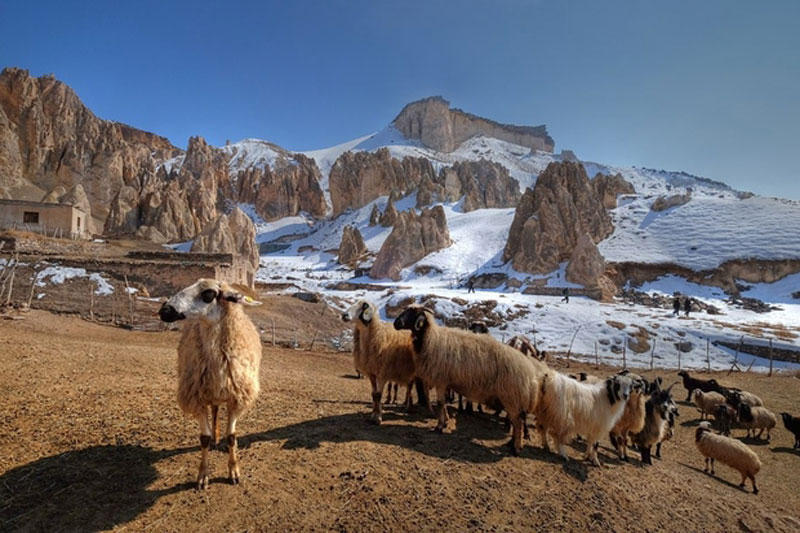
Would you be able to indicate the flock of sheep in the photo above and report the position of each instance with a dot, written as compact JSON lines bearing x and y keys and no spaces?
{"x":220,"y":352}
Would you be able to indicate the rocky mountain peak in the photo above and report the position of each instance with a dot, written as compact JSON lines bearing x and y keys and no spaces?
{"x":432,"y":121}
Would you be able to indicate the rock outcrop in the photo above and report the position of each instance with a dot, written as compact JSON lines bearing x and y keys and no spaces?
{"x":433,"y":122}
{"x":389,"y":215}
{"x":588,"y":267}
{"x":663,"y":203}
{"x":413,"y":237}
{"x":609,"y":187}
{"x":352,"y":247}
{"x":485,"y":184}
{"x":234,"y":234}
{"x":48,"y":138}
{"x":358,"y":178}
{"x":551,"y":217}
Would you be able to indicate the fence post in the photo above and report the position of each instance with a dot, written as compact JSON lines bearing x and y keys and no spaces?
{"x":679,"y":358}
{"x":770,"y":357}
{"x":624,"y":358}
{"x":652,"y":353}
{"x":596,"y":360}
{"x":273,"y":332}
{"x":91,"y":301}
{"x":708,"y":359}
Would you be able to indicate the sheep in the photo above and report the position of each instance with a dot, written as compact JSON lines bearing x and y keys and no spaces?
{"x":705,"y":385}
{"x":382,"y":354}
{"x":524,"y":345}
{"x":475,"y":365}
{"x":725,"y":416}
{"x":656,"y":423}
{"x":753,"y":418}
{"x":219,"y":357}
{"x":736,"y":397}
{"x":479,"y":326}
{"x":729,"y":452}
{"x":707,"y":401}
{"x":792,"y":423}
{"x":567,"y":407}
{"x":632,"y":419}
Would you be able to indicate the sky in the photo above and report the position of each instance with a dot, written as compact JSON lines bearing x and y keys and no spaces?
{"x":709,"y":87}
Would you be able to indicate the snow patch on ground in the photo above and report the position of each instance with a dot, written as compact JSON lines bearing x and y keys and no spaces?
{"x":57,"y":274}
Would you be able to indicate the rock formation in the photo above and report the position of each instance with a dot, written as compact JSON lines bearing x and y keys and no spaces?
{"x":485,"y":184}
{"x":352,"y":247}
{"x":609,"y":187}
{"x":389,"y":215}
{"x":48,"y":138}
{"x":665,"y":202}
{"x":374,"y":215}
{"x":358,"y":178}
{"x":433,"y":122}
{"x":550,"y":219}
{"x":412,"y":238}
{"x":234,"y":234}
{"x":586,"y":265}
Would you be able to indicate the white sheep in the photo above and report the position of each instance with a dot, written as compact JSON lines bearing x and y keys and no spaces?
{"x":727,"y":451}
{"x":753,"y":418}
{"x":475,"y":365}
{"x":567,"y":407}
{"x":380,"y":352}
{"x":707,"y":402}
{"x":219,"y":356}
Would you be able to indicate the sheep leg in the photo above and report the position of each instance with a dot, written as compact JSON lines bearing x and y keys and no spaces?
{"x":460,"y":403}
{"x":377,"y":410}
{"x":712,"y":466}
{"x":205,"y":444}
{"x":443,"y":417}
{"x":543,"y":435}
{"x":407,"y":402}
{"x":591,"y":453}
{"x":658,"y":451}
{"x":516,"y":435}
{"x":753,"y":481}
{"x":233,"y":459}
{"x":215,"y":423}
{"x":645,"y":451}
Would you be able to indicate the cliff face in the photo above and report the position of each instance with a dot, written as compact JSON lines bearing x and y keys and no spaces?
{"x":433,"y":122}
{"x":550,"y":219}
{"x":48,"y":138}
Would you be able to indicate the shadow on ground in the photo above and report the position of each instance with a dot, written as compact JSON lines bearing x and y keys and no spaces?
{"x":91,"y":489}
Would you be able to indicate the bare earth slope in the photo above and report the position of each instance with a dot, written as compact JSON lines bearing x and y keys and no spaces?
{"x":92,"y":439}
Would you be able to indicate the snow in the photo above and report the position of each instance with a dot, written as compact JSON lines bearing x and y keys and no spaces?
{"x":57,"y":274}
{"x":254,"y":153}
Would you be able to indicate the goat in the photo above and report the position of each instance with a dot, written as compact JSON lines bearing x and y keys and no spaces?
{"x":690,"y":384}
{"x":792,"y":423}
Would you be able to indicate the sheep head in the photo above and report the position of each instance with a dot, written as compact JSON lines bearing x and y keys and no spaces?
{"x":704,"y":427}
{"x":361,"y":310}
{"x":745,"y":412}
{"x":415,"y":318}
{"x":205,"y":299}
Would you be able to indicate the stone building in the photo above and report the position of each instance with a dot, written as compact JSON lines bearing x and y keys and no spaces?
{"x":61,"y":220}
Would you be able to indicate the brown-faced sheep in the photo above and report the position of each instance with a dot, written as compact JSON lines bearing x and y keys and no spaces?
{"x":475,"y":365}
{"x":568,"y":407}
{"x":753,"y":418}
{"x":707,"y":401}
{"x":219,"y":357}
{"x":729,"y":452}
{"x":382,"y":353}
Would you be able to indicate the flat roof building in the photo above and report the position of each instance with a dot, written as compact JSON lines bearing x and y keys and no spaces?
{"x":59,"y":220}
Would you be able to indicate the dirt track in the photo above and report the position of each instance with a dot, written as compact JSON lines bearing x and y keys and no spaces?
{"x":92,"y":439}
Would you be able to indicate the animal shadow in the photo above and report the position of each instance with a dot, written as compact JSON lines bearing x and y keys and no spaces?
{"x":713,"y":476}
{"x":786,"y":449}
{"x":92,"y":489}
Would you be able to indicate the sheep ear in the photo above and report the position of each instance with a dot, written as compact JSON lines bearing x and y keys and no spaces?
{"x":238,"y":298}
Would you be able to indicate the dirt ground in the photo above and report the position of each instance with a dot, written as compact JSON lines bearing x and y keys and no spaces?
{"x":92,"y":439}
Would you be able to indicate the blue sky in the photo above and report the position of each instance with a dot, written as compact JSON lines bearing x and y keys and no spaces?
{"x":709,"y":87}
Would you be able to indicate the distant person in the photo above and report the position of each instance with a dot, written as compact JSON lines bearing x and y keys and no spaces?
{"x":687,"y":305}
{"x":676,"y":306}
{"x":565,"y":292}
{"x":470,"y":286}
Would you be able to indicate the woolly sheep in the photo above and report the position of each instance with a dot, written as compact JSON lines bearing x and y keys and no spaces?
{"x":707,"y":401}
{"x":729,"y":452}
{"x":753,"y":418}
{"x":381,"y":353}
{"x":792,"y":423}
{"x":567,"y":407}
{"x":705,"y":385}
{"x":736,"y":397}
{"x":219,"y":357}
{"x":475,"y":365}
